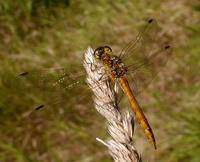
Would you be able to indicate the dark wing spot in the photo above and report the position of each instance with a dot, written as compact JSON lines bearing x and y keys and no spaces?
{"x":150,"y":21}
{"x":39,"y":107}
{"x":166,"y":47}
{"x":24,"y":73}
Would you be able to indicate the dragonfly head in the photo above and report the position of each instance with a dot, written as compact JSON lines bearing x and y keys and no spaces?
{"x":103,"y":50}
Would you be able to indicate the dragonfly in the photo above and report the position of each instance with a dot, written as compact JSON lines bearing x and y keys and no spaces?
{"x":145,"y":56}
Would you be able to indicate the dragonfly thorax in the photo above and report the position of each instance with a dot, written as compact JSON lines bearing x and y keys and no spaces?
{"x":116,"y":66}
{"x":118,"y":70}
{"x":114,"y":63}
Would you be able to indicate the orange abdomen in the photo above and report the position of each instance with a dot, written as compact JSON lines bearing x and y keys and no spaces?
{"x":139,"y":115}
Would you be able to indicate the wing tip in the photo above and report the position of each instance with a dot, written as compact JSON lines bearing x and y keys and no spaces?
{"x":39,"y":107}
{"x":167,"y":47}
{"x":150,"y":20}
{"x":24,"y":73}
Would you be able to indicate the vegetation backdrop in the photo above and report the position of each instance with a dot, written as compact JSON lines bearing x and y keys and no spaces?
{"x":38,"y":34}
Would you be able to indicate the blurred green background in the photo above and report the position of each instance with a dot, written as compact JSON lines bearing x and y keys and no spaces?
{"x":38,"y":34}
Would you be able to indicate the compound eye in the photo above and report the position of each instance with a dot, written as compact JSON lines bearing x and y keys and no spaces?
{"x":108,"y":49}
{"x":98,"y":52}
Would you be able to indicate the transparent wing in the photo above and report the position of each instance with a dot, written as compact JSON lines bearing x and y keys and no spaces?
{"x":136,"y":43}
{"x":53,"y":84}
{"x":148,"y":40}
{"x":55,"y":77}
{"x":146,"y":55}
{"x":145,"y":70}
